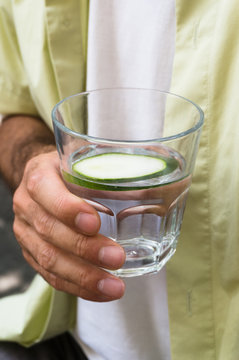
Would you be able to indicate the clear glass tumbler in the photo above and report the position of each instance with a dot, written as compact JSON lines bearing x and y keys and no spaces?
{"x":130,"y":153}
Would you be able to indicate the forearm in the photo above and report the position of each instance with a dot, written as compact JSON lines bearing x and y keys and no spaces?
{"x":21,"y":138}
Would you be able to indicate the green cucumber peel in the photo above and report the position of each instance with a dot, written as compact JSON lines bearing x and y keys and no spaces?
{"x":118,"y":167}
{"x":110,"y":187}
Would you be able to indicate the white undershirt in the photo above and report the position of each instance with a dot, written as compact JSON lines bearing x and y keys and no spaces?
{"x":130,"y":44}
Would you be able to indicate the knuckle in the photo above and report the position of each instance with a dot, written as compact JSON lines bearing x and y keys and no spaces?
{"x":55,"y":281}
{"x":47,"y":258}
{"x":33,"y":181}
{"x":44,"y":225}
{"x":18,"y":232}
{"x":16,"y":201}
{"x":83,"y":279}
{"x":26,"y":256}
{"x":16,"y":228}
{"x":81,"y":245}
{"x":61,"y":204}
{"x":31,"y":165}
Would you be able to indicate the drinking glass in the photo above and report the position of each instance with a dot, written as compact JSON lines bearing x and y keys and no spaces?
{"x":130,"y":153}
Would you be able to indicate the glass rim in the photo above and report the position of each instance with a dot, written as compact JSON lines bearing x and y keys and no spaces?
{"x":96,"y":139}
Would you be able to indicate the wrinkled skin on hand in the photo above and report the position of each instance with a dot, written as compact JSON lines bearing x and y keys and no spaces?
{"x":58,"y":234}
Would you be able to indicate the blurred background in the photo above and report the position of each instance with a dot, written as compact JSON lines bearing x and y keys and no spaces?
{"x":15,"y":273}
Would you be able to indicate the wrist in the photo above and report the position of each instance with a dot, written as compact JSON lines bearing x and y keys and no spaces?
{"x":22,"y":138}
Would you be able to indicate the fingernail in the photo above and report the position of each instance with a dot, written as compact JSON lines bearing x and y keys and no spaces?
{"x":111,"y":287}
{"x":87,"y":223}
{"x":113,"y":256}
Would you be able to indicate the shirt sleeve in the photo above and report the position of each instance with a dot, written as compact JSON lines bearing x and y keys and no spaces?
{"x":15,"y":96}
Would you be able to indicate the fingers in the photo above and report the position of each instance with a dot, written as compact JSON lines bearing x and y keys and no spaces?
{"x":98,"y":249}
{"x":66,"y":286}
{"x":67,"y":272}
{"x":45,"y":186}
{"x":58,"y":234}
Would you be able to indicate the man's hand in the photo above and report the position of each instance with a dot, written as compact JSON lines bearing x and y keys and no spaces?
{"x":58,"y":233}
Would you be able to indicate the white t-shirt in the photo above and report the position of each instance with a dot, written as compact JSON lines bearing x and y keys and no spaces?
{"x":130,"y":44}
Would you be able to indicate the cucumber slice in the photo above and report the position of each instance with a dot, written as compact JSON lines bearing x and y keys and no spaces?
{"x":122,"y":167}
